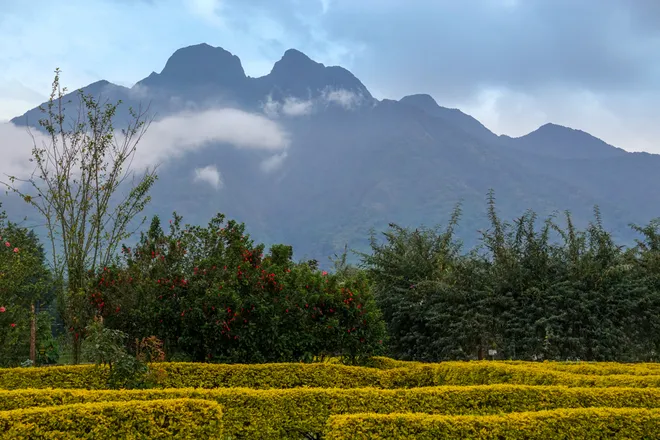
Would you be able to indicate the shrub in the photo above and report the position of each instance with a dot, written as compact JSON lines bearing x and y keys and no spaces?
{"x":211,"y":294}
{"x":177,"y":418}
{"x":281,"y":414}
{"x":556,"y":424}
{"x":322,"y":375}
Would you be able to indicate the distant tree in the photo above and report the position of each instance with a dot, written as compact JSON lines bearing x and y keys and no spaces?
{"x":535,"y":290}
{"x":80,"y":185}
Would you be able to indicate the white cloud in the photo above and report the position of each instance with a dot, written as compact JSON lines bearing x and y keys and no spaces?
{"x":209,"y":174}
{"x":138,"y":91}
{"x":208,"y":10}
{"x":15,"y":150}
{"x":294,"y":107}
{"x":166,"y":139}
{"x":289,"y":107}
{"x":271,"y":108}
{"x":344,"y":98}
{"x":297,"y":107}
{"x":273,"y":162}
{"x":174,"y":136}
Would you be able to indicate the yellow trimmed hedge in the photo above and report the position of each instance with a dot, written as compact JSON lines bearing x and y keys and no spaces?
{"x":320,"y":375}
{"x":591,"y":368}
{"x":283,"y":414}
{"x":176,"y":418}
{"x":589,"y":423}
{"x":597,"y":368}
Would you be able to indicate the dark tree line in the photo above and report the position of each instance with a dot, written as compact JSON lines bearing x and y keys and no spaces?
{"x":534,"y":290}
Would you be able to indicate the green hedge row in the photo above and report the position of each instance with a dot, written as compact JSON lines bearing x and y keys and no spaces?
{"x":323,"y":375}
{"x":584,"y":423}
{"x":590,"y":368}
{"x":284,"y":414}
{"x":176,"y":418}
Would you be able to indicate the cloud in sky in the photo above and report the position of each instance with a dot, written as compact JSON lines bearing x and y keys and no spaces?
{"x":294,"y":107}
{"x":167,"y":139}
{"x":289,"y":107}
{"x":590,"y":64}
{"x":210,"y":175}
{"x":273,"y":162}
{"x":172,"y":137}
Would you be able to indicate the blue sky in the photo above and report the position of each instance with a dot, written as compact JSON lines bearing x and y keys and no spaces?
{"x":513,"y":64}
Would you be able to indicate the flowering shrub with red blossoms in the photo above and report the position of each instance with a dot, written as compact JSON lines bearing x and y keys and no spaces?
{"x":210,"y":294}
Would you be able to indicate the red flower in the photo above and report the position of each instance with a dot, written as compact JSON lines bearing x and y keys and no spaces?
{"x":15,"y":250}
{"x":7,"y":244}
{"x":324,"y":273}
{"x":12,"y":325}
{"x":2,"y":310}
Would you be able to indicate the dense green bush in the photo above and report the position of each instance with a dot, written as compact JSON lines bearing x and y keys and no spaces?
{"x":210,"y":294}
{"x":531,"y":292}
{"x":24,"y":282}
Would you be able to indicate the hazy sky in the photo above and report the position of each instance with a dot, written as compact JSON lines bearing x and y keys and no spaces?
{"x":513,"y":64}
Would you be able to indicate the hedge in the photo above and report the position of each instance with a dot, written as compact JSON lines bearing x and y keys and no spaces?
{"x":176,"y":418}
{"x":599,"y":369}
{"x":289,"y":413}
{"x":583,"y":423}
{"x":591,"y":368}
{"x":319,"y":375}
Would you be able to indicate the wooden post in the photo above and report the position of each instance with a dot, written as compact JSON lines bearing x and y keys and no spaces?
{"x":33,"y":336}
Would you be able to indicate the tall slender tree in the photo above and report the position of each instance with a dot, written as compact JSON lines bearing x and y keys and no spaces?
{"x":85,"y":189}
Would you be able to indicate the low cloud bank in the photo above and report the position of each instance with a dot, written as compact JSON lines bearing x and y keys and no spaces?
{"x":166,"y":139}
{"x":294,"y":107}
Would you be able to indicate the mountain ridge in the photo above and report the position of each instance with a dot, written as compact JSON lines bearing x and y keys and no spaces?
{"x":351,"y":168}
{"x":180,"y":62}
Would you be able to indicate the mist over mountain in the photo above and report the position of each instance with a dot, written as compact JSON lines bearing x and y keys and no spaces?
{"x":307,"y":156}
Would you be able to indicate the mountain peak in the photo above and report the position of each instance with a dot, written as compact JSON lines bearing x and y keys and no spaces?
{"x":422,"y":101}
{"x":198,"y":65}
{"x":550,"y":127}
{"x":557,"y":131}
{"x":293,"y":61}
{"x":297,"y":75}
{"x":457,"y":118}
{"x":565,"y":142}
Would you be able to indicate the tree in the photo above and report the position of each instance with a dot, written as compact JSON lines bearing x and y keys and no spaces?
{"x":211,"y":294}
{"x":24,"y":281}
{"x":77,"y":185}
{"x":534,"y":290}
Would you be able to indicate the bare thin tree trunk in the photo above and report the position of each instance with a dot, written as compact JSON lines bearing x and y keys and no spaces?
{"x":33,"y":335}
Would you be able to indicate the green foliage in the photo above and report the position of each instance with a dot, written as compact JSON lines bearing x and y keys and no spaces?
{"x":530,"y":292}
{"x":80,"y":189}
{"x":210,"y":294}
{"x":24,"y":280}
{"x":556,"y":424}
{"x":158,"y":419}
{"x":321,"y":375}
{"x":284,"y":414}
{"x":105,"y":346}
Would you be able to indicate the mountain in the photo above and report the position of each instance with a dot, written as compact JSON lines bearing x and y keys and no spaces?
{"x":356,"y":163}
{"x":565,"y":143}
